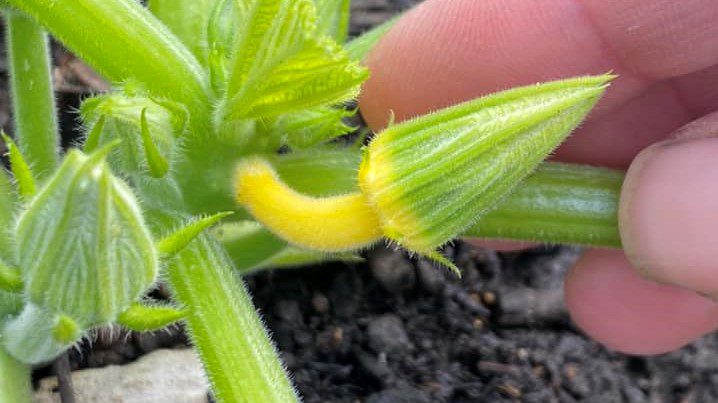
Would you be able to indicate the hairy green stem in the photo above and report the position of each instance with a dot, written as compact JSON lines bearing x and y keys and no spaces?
{"x":124,"y":41}
{"x":14,"y":380}
{"x":240,"y":361}
{"x":32,"y":95}
{"x":559,"y":203}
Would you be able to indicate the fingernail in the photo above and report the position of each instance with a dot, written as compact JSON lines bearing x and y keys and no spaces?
{"x":669,"y":213}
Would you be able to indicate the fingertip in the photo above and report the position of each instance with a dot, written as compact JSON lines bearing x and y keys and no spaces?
{"x":626,"y":312}
{"x":669,"y":212}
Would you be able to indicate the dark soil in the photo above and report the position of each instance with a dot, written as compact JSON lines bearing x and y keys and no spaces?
{"x":394,"y":330}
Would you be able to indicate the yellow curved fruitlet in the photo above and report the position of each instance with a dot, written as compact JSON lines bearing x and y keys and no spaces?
{"x":330,"y":224}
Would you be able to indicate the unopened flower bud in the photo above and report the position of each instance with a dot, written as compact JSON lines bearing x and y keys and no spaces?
{"x":430,"y":178}
{"x":424,"y":181}
{"x":82,"y":243}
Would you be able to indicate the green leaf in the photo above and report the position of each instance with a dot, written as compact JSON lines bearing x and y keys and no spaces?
{"x":334,"y":18}
{"x":173,"y":244}
{"x":188,"y":19}
{"x":24,"y":179}
{"x":270,"y":76}
{"x":140,"y":317}
{"x":310,"y":127}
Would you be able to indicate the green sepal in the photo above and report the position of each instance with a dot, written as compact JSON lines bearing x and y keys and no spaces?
{"x":24,"y":179}
{"x":158,"y":165}
{"x":444,"y":261}
{"x":82,"y":243}
{"x":10,"y":278}
{"x":174,"y":243}
{"x":141,"y":317}
{"x":38,"y":335}
{"x":333,"y":18}
{"x":92,"y":139}
{"x":432,"y":177}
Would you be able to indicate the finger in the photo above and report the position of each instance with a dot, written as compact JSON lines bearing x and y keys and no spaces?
{"x":626,"y":312}
{"x":669,"y":209}
{"x":446,"y":52}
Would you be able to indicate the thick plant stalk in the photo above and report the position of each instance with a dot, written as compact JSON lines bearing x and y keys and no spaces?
{"x":559,"y":203}
{"x":124,"y":41}
{"x":239,"y":359}
{"x":14,"y":380}
{"x":32,"y":95}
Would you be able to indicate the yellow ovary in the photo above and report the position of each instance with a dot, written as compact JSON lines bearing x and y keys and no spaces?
{"x":330,"y":224}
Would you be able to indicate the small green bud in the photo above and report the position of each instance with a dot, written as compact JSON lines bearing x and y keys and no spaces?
{"x":82,"y":243}
{"x":24,"y":179}
{"x":147,"y":131}
{"x":147,"y":318}
{"x":430,"y":178}
{"x":172,"y":244}
{"x":38,"y":335}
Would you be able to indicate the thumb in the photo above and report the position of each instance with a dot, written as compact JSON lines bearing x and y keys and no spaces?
{"x":669,"y":209}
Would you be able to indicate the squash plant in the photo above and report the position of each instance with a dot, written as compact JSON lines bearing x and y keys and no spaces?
{"x":179,"y":177}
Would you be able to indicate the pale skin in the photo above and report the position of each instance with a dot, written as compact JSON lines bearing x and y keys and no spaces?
{"x":658,"y":120}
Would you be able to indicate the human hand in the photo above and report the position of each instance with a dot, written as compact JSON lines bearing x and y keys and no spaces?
{"x":666,"y":55}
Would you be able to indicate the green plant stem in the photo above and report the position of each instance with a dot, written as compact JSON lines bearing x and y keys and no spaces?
{"x":559,"y":203}
{"x":14,"y":380}
{"x":32,"y":95}
{"x":240,"y":361}
{"x":124,"y":41}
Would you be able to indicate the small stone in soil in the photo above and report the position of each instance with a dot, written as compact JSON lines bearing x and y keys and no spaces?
{"x":387,"y":335}
{"x":392,"y":270}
